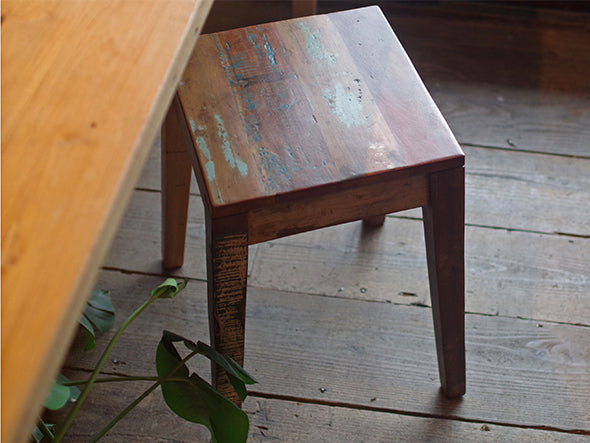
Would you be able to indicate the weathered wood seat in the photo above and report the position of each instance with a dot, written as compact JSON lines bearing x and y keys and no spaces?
{"x":302,"y":124}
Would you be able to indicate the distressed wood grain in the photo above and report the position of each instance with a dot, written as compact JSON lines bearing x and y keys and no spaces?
{"x":298,"y":109}
{"x":516,"y":118}
{"x":227,"y":273}
{"x":84,"y":87}
{"x":283,"y":420}
{"x":505,"y":189}
{"x":523,"y":47}
{"x":387,"y":263}
{"x":379,"y":355}
{"x":535,"y":192}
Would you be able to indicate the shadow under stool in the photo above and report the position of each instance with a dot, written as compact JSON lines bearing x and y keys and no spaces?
{"x":303,"y":124}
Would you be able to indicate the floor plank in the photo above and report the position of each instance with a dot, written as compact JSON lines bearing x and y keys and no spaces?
{"x":483,"y":43}
{"x":323,"y":349}
{"x":549,"y":272}
{"x":506,"y":189}
{"x":510,"y":117}
{"x":517,"y":190}
{"x":282,"y":420}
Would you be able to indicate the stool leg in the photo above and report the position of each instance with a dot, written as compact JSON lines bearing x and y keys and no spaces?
{"x":376,"y":220}
{"x":444,"y":228}
{"x":176,"y":183}
{"x":227,"y":270}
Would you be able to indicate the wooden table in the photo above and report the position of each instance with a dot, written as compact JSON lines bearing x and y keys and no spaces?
{"x":85,"y":86}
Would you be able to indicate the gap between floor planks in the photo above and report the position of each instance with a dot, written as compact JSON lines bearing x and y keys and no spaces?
{"x":291,"y":420}
{"x":548,"y":271}
{"x":511,"y":190}
{"x":323,"y":349}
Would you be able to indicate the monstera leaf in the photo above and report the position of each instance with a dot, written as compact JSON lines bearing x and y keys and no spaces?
{"x":195,"y":400}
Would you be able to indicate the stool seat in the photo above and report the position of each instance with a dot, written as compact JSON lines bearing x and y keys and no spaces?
{"x":302,"y":124}
{"x":305,"y":104}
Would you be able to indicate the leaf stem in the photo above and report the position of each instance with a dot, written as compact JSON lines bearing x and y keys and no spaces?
{"x":45,"y":429}
{"x":112,"y":379}
{"x":120,"y":379}
{"x":148,"y":391}
{"x":70,"y":417}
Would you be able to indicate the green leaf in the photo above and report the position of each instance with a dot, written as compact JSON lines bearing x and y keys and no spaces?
{"x":90,"y":336}
{"x":60,"y":394}
{"x":100,"y":310}
{"x":226,"y":363}
{"x":101,"y":320}
{"x":58,"y":397}
{"x":74,"y":391}
{"x":101,"y":299}
{"x":237,"y":375}
{"x":193,"y":399}
{"x":38,"y":434}
{"x":99,"y":314}
{"x":169,"y":288}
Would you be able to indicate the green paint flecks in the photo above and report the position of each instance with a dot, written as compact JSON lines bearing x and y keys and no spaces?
{"x":314,"y":46}
{"x":345,"y":104}
{"x":227,"y":152}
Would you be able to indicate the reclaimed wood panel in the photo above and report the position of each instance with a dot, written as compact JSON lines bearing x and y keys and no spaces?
{"x":388,"y":263}
{"x":376,"y":355}
{"x":300,"y":108}
{"x":506,"y":189}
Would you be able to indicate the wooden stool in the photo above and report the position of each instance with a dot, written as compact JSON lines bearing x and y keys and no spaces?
{"x":302,"y":124}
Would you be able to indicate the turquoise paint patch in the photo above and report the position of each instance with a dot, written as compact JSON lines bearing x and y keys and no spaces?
{"x":227,"y":152}
{"x":222,"y":133}
{"x":222,"y":56}
{"x":274,"y":170}
{"x":345,"y":105}
{"x":248,"y":98}
{"x":202,"y":145}
{"x":314,"y":46}
{"x":242,"y":167}
{"x":193,"y":125}
{"x":252,"y":38}
{"x":210,"y":170}
{"x":251,"y":125}
{"x":271,"y":53}
{"x":209,"y":166}
{"x":284,"y":107}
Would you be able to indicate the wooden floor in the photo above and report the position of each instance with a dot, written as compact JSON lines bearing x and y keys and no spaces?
{"x":339,"y":328}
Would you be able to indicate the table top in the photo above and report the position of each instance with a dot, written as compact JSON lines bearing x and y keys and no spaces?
{"x":85,"y":86}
